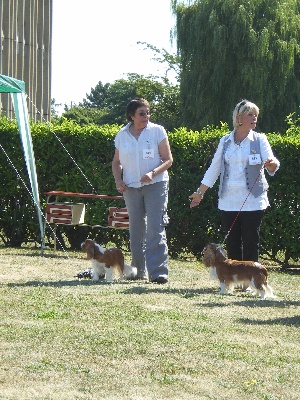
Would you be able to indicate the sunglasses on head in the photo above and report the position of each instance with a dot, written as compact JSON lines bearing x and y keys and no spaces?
{"x":240,"y":106}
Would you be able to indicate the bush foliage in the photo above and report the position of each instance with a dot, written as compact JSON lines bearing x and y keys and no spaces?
{"x":78,"y":159}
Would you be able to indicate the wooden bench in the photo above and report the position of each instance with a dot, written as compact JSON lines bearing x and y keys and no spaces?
{"x":67,"y":213}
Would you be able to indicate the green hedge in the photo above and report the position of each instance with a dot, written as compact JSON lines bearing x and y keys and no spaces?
{"x":92,"y":148}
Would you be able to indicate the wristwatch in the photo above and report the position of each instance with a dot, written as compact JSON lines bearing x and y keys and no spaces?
{"x":198,"y":191}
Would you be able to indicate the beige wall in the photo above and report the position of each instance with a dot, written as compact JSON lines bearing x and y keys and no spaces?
{"x":25,"y":52}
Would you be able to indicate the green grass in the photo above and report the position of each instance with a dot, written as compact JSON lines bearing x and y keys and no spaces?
{"x":64,"y":339}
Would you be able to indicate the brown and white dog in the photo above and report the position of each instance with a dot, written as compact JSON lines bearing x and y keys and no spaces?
{"x":231,"y":273}
{"x":107,"y":262}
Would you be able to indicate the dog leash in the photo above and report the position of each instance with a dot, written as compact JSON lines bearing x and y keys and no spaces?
{"x":234,"y":221}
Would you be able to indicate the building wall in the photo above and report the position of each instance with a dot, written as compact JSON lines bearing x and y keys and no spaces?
{"x":25,"y":53}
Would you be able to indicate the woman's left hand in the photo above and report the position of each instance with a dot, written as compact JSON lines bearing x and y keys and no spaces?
{"x":195,"y":200}
{"x":270,"y":165}
{"x":147,"y":177}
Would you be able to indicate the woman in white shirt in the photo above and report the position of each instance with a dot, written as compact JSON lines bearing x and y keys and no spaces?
{"x":240,"y":160}
{"x":141,"y":160}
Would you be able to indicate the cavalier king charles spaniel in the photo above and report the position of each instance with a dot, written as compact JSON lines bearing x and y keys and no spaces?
{"x":231,"y":273}
{"x":107,"y":262}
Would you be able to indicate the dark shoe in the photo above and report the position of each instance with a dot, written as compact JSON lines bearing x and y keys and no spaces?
{"x":160,"y":280}
{"x":141,"y":278}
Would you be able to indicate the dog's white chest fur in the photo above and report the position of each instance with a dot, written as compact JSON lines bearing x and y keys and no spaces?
{"x":213,"y":273}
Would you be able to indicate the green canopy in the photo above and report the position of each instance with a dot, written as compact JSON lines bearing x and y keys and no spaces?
{"x":17,"y":90}
{"x":11,"y":85}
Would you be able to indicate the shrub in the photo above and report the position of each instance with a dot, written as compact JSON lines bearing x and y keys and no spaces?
{"x":191,"y":229}
{"x":78,"y":159}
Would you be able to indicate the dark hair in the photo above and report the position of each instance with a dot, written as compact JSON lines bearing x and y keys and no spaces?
{"x":133,"y":105}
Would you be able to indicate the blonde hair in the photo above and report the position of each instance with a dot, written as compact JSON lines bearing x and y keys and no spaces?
{"x":243,"y":107}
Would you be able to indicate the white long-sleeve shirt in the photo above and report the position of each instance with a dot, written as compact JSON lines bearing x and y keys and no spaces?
{"x":236,"y":195}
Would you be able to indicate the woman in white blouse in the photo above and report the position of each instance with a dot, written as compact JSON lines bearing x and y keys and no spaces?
{"x":141,"y":160}
{"x":240,"y":160}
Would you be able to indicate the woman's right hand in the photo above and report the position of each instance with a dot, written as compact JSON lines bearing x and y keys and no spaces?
{"x":121,"y":187}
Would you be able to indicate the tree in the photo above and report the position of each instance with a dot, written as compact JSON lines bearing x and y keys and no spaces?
{"x":235,"y":49}
{"x":173,"y":61}
{"x":106,"y":104}
{"x":53,"y":110}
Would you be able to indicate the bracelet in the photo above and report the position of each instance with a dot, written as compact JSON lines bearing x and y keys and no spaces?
{"x":154,"y":172}
{"x":198,"y":191}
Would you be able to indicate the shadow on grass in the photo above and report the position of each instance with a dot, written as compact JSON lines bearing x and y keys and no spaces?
{"x":52,"y":283}
{"x":64,"y":255}
{"x":149,"y":288}
{"x":291,"y":270}
{"x":140,"y":287}
{"x":250,"y":302}
{"x":136,"y":287}
{"x":290,"y":321}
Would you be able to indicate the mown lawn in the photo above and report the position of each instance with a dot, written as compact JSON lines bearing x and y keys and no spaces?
{"x":64,"y":339}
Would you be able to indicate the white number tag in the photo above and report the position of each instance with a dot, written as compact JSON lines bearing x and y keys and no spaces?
{"x":148,"y":153}
{"x":254,"y":159}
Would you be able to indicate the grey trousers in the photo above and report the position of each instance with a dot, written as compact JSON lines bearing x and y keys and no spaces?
{"x":147,"y":210}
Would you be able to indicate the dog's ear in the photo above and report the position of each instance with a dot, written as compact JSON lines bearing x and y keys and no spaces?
{"x":98,"y":250}
{"x":90,"y":249}
{"x":208,"y":255}
{"x":220,"y":252}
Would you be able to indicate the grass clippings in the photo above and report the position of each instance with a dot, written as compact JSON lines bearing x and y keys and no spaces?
{"x":66,"y":339}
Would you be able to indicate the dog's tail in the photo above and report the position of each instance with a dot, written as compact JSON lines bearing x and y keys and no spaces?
{"x":130,"y":272}
{"x":268,"y":290}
